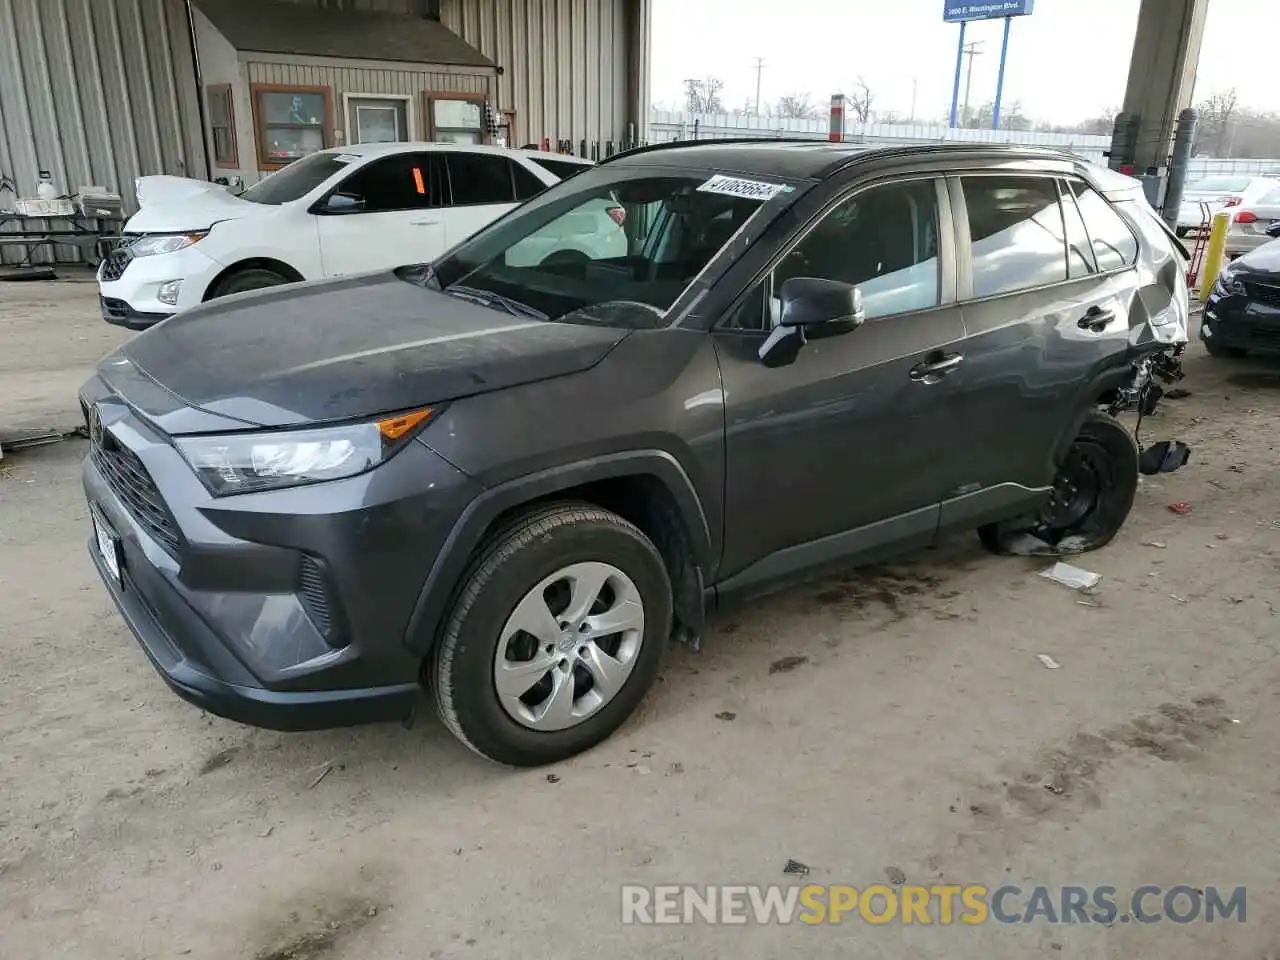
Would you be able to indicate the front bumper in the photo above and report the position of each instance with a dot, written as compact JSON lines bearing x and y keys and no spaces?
{"x":1241,"y":322}
{"x":130,"y":288}
{"x":223,"y":594}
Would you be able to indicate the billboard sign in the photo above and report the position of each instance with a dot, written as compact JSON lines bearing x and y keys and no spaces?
{"x":958,"y":11}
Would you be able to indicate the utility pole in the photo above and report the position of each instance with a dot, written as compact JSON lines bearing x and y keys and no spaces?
{"x":914,"y":84}
{"x":759,"y":71}
{"x":971,"y":50}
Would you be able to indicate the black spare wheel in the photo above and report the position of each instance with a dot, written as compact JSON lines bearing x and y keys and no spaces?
{"x":555,"y":636}
{"x":1091,"y":496}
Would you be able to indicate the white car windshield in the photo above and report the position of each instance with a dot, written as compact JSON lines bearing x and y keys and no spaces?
{"x":602,"y":238}
{"x":297,"y":179}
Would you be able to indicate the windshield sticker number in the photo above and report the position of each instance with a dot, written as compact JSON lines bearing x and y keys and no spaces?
{"x":737,"y":187}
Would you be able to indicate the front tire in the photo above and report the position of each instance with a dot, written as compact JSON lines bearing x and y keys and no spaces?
{"x":1093,"y":493}
{"x":555,"y":636}
{"x":252,"y":278}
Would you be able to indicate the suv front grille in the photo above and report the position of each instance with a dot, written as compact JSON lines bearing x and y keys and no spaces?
{"x":129,"y":480}
{"x":1263,"y":293}
{"x":114,"y":266}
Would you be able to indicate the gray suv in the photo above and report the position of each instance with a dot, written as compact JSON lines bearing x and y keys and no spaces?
{"x":511,"y":480}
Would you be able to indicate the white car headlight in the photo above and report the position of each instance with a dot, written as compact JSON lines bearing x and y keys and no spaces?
{"x":249,"y":462}
{"x":149,"y":246}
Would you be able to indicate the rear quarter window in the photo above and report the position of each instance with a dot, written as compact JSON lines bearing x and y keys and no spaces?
{"x":1114,"y":245}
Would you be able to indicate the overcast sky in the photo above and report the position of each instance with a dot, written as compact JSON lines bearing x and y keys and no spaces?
{"x":1067,"y":62}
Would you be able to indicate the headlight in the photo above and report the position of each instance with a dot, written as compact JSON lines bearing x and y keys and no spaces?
{"x":1230,"y":285}
{"x":164,"y":243}
{"x":249,"y":462}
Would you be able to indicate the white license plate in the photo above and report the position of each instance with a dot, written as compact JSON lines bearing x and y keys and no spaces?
{"x":108,"y":548}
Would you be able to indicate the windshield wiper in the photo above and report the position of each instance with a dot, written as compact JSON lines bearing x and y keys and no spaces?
{"x":488,"y":298}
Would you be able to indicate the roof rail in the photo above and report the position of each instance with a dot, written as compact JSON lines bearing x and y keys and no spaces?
{"x":669,"y":144}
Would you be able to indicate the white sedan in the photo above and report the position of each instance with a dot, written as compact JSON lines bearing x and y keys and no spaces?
{"x":1219,"y":193}
{"x":341,"y":211}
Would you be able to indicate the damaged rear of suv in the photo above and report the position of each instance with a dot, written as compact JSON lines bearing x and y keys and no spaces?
{"x":511,"y":480}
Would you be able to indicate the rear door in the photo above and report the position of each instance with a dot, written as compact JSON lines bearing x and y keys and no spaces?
{"x":398,"y":218}
{"x":482,"y":188}
{"x":1047,"y":281}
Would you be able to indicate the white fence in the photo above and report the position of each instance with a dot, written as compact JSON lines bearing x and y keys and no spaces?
{"x":666,"y":125}
{"x":669,"y":125}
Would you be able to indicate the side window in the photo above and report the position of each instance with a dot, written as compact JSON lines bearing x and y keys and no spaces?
{"x":884,"y":241}
{"x":410,"y":181}
{"x":1015,"y":228}
{"x":480,"y":178}
{"x":527,"y":185}
{"x":1114,"y":244}
{"x":1080,"y":261}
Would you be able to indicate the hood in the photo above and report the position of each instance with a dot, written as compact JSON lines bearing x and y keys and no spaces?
{"x":1262,"y":262}
{"x":349,"y":348}
{"x":169,"y":204}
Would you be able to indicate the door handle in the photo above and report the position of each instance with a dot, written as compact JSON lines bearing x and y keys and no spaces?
{"x":1096,"y":319}
{"x":423,"y":223}
{"x":931,"y":371}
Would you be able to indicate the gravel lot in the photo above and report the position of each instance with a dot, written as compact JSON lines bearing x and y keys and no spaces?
{"x":876,"y":725}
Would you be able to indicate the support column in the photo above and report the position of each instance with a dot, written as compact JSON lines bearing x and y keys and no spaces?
{"x":639,"y":26}
{"x":1162,"y":73}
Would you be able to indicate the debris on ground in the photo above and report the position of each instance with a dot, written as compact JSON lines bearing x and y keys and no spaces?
{"x":643,"y":770}
{"x":676,"y":767}
{"x":1154,"y":543}
{"x":1048,"y":661}
{"x":1029,"y":545}
{"x":1088,"y":603}
{"x":1174,"y":596}
{"x":1218,"y":483}
{"x":1074,"y":577}
{"x":328,"y":769}
{"x":786,"y":664}
{"x":1177,"y":393}
{"x":896,"y":876}
{"x":553,"y":778}
{"x":795,"y":868}
{"x":1222,"y":536}
{"x":726,"y":715}
{"x":1181,"y":507}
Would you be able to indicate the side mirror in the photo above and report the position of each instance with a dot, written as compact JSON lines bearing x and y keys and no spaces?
{"x":344,"y":203}
{"x":812,"y":309}
{"x":1274,"y":229}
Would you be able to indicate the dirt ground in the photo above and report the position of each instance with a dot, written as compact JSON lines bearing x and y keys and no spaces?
{"x":889,"y":724}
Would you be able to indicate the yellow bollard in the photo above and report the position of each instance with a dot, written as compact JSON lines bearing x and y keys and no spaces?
{"x":1215,"y":251}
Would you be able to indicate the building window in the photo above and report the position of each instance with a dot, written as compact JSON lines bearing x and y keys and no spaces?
{"x":291,"y":122}
{"x":456,"y":118}
{"x":222,"y":125}
{"x":377,"y":119}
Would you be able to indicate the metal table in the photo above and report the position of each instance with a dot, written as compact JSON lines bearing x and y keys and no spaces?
{"x":94,"y":237}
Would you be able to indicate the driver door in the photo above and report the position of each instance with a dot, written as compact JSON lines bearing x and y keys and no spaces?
{"x":398,"y":219}
{"x":846,"y":450}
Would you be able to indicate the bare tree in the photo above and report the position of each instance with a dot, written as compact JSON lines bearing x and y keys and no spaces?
{"x":861,"y":100}
{"x":798,"y":106}
{"x":703,"y":96}
{"x":1217,"y":116}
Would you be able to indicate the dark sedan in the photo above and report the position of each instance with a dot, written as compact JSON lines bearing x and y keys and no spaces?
{"x":1242,"y":314}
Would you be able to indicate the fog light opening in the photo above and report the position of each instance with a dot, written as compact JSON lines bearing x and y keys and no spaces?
{"x":169,"y":292}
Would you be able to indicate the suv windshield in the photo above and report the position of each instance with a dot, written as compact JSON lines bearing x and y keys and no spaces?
{"x":297,"y":179}
{"x":603,"y":237}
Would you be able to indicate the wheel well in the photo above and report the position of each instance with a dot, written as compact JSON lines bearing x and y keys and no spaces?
{"x":644,"y":500}
{"x":254,"y":263}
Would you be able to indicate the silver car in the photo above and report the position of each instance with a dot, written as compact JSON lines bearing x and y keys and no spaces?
{"x":1219,"y":193}
{"x":1249,"y":224}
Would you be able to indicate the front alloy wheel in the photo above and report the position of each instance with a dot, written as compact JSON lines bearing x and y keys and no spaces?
{"x":555,"y":637}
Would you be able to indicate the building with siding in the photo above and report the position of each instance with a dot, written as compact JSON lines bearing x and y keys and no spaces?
{"x":105,"y":91}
